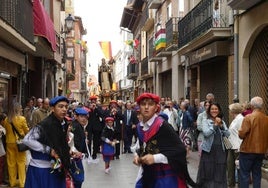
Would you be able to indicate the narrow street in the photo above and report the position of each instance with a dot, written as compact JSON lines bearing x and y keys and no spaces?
{"x":124,"y":172}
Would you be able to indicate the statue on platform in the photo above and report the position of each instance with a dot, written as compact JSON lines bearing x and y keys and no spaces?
{"x":105,"y":81}
{"x":105,"y":76}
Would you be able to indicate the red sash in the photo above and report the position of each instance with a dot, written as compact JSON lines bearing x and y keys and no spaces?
{"x":154,"y":128}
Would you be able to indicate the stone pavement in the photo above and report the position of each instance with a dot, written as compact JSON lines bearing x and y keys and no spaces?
{"x":124,"y":172}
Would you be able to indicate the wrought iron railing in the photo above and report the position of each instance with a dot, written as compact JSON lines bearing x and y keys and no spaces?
{"x":144,"y":67}
{"x":206,"y":15}
{"x":172,"y":32}
{"x":144,"y":16}
{"x":19,"y":15}
{"x":151,"y":48}
{"x":132,"y":71}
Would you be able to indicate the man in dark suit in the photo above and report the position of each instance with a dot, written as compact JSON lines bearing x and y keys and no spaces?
{"x":130,"y":122}
{"x":95,"y":125}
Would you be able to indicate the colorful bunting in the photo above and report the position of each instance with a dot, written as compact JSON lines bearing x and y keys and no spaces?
{"x":82,"y":43}
{"x":133,"y":43}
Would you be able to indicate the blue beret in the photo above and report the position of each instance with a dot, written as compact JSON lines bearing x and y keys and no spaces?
{"x":57,"y":99}
{"x":163,"y":115}
{"x":80,"y":111}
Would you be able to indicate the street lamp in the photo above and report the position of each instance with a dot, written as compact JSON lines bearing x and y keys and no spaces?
{"x":69,"y":23}
{"x":68,"y":26}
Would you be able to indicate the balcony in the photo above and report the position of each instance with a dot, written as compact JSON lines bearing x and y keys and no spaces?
{"x":155,"y":4}
{"x":242,"y":4}
{"x":132,"y":71}
{"x":152,"y":52}
{"x":130,"y":14}
{"x":145,"y":68}
{"x":161,"y":43}
{"x":16,"y":24}
{"x":70,"y":76}
{"x":172,"y":34}
{"x":204,"y":24}
{"x":147,"y":19}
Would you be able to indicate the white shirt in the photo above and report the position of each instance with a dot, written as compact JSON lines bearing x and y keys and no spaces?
{"x":158,"y":158}
{"x":172,"y":117}
{"x":233,"y":128}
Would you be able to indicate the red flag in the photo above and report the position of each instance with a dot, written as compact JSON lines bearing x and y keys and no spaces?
{"x":106,"y":49}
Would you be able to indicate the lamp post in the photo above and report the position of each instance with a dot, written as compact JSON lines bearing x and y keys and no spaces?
{"x":68,"y":27}
{"x":69,"y":23}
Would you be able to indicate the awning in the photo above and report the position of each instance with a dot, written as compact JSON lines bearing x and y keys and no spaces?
{"x":43,"y":25}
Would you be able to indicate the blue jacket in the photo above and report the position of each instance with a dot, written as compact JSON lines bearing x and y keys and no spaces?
{"x":187,"y":120}
{"x":209,"y":132}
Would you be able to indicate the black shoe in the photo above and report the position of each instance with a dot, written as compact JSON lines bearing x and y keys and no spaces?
{"x":117,"y":157}
{"x":129,"y":151}
{"x":94,"y":157}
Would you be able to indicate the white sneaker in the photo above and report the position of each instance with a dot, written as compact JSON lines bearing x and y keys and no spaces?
{"x":107,"y":171}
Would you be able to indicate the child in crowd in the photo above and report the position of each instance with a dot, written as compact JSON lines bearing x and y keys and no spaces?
{"x":109,"y":141}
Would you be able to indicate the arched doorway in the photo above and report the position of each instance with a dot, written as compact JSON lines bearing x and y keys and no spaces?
{"x":258,"y":68}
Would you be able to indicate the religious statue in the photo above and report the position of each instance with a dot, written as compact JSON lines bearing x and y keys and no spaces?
{"x":105,"y":76}
{"x":105,"y":81}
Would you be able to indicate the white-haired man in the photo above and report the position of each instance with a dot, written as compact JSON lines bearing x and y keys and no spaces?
{"x":254,"y":132}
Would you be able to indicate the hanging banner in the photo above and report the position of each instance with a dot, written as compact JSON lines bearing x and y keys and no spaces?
{"x":106,"y":49}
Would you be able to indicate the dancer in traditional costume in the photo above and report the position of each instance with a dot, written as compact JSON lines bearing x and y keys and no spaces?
{"x":49,"y":149}
{"x":109,"y":141}
{"x":161,"y":154}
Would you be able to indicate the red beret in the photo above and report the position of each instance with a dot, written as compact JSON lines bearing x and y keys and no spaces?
{"x":113,"y":102}
{"x":87,"y":109}
{"x":68,"y":118}
{"x":155,"y":98}
{"x":93,"y":97}
{"x":109,"y":119}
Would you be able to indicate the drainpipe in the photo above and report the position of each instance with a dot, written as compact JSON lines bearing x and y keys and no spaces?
{"x":186,"y":76}
{"x":236,"y":55}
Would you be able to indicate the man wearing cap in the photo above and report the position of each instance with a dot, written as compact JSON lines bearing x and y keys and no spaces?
{"x":48,"y":145}
{"x":161,"y":155}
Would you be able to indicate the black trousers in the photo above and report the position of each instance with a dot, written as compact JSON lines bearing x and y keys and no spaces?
{"x":96,"y":143}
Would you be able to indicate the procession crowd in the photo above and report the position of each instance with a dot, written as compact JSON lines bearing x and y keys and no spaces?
{"x":58,"y":134}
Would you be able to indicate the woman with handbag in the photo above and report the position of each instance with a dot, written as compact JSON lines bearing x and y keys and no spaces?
{"x":16,"y":161}
{"x":212,"y":165}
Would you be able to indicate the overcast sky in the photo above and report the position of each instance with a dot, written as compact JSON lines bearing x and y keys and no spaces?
{"x":102,"y":20}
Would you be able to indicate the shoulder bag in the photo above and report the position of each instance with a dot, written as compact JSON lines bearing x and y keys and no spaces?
{"x":226,"y":143}
{"x":21,"y":147}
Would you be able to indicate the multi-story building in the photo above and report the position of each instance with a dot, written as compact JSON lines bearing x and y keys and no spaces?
{"x":191,"y":48}
{"x":250,"y":49}
{"x":76,"y":72}
{"x":124,"y":70}
{"x":32,"y":50}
